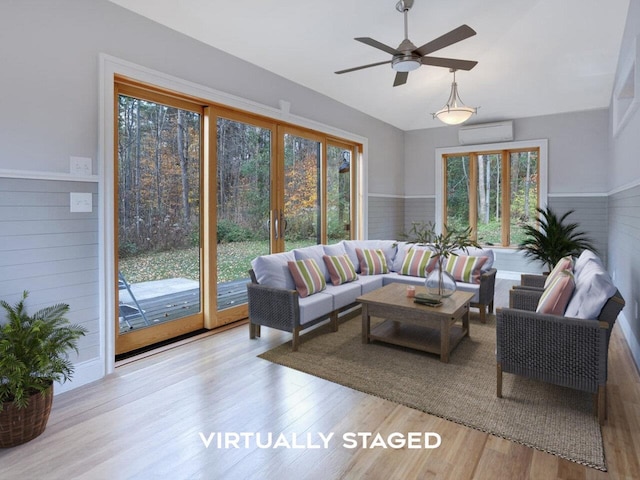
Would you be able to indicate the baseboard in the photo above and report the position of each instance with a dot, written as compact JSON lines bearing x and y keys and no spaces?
{"x":507,"y":275}
{"x":85,"y":372}
{"x":632,"y":342}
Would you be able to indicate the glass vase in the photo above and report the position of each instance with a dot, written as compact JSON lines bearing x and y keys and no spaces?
{"x":440,"y":284}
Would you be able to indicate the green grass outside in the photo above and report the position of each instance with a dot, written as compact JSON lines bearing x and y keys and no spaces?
{"x":234,"y":258}
{"x":234,"y":261}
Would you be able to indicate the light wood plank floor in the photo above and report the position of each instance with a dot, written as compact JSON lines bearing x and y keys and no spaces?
{"x":144,"y":422}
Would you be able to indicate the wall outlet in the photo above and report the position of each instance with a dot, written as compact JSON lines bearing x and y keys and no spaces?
{"x":80,"y":166}
{"x":81,"y":202}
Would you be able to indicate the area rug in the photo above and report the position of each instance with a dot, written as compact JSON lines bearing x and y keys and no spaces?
{"x":552,"y":419}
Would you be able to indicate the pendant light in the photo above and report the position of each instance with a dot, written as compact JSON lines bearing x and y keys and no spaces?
{"x":454,"y":112}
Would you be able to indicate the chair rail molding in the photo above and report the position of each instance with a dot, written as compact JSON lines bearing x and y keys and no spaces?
{"x":42,"y":175}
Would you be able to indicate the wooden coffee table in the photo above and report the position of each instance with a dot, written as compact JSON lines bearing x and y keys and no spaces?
{"x":409,"y":324}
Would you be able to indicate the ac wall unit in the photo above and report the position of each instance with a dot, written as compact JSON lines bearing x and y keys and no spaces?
{"x":486,"y":133}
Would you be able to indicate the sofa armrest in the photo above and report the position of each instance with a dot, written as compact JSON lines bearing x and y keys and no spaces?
{"x":487,"y":287}
{"x":529,"y":280}
{"x":273,"y":307}
{"x":564,"y":351}
{"x":524,"y":298}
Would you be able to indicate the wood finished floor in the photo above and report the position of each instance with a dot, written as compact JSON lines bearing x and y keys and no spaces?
{"x":143,"y":422}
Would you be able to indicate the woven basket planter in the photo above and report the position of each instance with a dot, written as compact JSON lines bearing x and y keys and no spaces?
{"x":19,"y":425}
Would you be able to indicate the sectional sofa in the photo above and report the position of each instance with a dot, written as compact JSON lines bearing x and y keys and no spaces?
{"x":276,"y":301}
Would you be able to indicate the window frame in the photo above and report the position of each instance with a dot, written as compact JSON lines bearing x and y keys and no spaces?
{"x":472,"y":151}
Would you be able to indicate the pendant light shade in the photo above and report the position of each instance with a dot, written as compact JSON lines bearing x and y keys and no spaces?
{"x":454,"y":112}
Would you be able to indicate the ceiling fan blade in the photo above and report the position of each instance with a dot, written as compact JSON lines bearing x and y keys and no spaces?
{"x":449,"y":63}
{"x":454,"y":36}
{"x":401,"y":78}
{"x":361,"y":67}
{"x":380,"y":46}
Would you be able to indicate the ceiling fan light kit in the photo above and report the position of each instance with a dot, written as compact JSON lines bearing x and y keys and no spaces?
{"x":407,"y":57}
{"x":454,"y":112}
{"x":406,"y":63}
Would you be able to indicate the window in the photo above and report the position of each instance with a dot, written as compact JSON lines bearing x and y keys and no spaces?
{"x":493,"y":191}
{"x":200,"y":191}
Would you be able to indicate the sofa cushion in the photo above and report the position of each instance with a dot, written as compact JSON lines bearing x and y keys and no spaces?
{"x":335,"y":249}
{"x":418,"y":262}
{"x":369,"y":283}
{"x":556,"y":296}
{"x":593,"y":288}
{"x":315,"y":252}
{"x":273,"y":270}
{"x":582,"y":260}
{"x":307,"y":277}
{"x":396,"y":277}
{"x":341,"y":270}
{"x":465,"y":268}
{"x":472,"y":288}
{"x":387,"y":246}
{"x":343,"y":295}
{"x":565,"y":263}
{"x":372,"y":261}
{"x":316,"y":306}
{"x":401,"y":252}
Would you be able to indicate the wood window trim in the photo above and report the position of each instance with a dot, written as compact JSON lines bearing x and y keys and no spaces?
{"x":441,"y":154}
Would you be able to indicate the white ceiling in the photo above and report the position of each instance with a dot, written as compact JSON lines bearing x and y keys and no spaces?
{"x":535,"y":57}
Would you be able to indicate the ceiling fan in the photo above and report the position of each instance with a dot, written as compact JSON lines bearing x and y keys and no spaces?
{"x":407,"y":57}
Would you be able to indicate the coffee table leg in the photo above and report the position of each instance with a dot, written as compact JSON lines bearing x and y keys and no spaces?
{"x":465,"y":322}
{"x":445,"y":324}
{"x":366,"y":323}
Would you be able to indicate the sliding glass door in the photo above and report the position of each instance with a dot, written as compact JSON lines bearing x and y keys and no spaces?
{"x":201,"y":191}
{"x":244,"y":190}
{"x":159,"y":263}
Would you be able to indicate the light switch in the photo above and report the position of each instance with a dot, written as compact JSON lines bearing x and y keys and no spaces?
{"x":81,"y":202}
{"x":80,"y":165}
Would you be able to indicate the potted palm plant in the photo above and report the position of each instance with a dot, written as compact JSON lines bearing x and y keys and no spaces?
{"x":554,"y":239}
{"x":33,"y":355}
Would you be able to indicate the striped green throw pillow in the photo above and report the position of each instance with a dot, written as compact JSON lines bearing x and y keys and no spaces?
{"x":418,"y":262}
{"x":372,"y":261}
{"x":307,"y":276}
{"x":465,"y":268}
{"x":341,"y":270}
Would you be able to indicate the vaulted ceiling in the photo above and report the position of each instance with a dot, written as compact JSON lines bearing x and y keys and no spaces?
{"x":535,"y":57}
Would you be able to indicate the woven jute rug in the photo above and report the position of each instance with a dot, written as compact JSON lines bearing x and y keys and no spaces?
{"x":552,"y":419}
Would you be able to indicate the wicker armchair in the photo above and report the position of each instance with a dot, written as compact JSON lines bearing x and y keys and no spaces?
{"x":571,"y":352}
{"x":528,"y":280}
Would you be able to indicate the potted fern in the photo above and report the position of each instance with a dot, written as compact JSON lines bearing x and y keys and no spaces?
{"x":33,"y":355}
{"x":554,"y":239}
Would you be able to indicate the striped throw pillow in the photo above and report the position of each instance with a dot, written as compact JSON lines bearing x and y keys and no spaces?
{"x":418,"y":262}
{"x":307,"y":276}
{"x":565,"y":263}
{"x":372,"y":261}
{"x":341,"y":270}
{"x":556,"y":296}
{"x":465,"y":268}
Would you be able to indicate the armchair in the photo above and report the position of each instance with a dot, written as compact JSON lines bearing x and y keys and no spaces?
{"x":565,"y":351}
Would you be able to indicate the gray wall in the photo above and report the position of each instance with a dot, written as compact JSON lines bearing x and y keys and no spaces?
{"x":386,"y":214}
{"x":577,"y":145}
{"x":624,"y":202}
{"x":50,"y":111}
{"x":51,"y":252}
{"x":592,"y":216}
